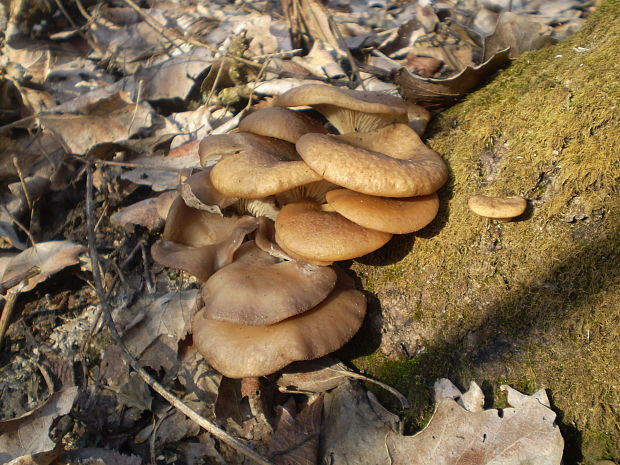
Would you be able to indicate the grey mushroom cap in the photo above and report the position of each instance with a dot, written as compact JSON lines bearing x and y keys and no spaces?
{"x":257,"y":289}
{"x":240,"y":351}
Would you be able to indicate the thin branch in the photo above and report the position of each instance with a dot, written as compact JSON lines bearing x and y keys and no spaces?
{"x":129,"y":358}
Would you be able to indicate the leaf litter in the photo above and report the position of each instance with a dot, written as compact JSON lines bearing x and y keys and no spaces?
{"x":135,"y":91}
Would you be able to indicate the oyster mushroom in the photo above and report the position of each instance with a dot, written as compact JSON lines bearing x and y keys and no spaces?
{"x":280,"y":123}
{"x":241,"y":351}
{"x":258,"y":289}
{"x":352,"y":110}
{"x":305,"y":230}
{"x":396,"y":216}
{"x":501,"y":208}
{"x":389,"y":162}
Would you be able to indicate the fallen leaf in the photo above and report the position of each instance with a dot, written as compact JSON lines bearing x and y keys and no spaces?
{"x":168,"y":315}
{"x":523,"y":433}
{"x":312,"y":376}
{"x":296,"y":437}
{"x":202,"y":452}
{"x":355,"y":427}
{"x":144,"y":213}
{"x":174,"y":78}
{"x":434,"y":93}
{"x":47,"y":257}
{"x":28,"y":435}
{"x":519,"y":33}
{"x":113,"y":120}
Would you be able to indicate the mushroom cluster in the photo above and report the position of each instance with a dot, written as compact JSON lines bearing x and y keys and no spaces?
{"x":304,"y":198}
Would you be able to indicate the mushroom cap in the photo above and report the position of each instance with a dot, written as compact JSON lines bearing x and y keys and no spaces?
{"x":314,"y":191}
{"x":304,"y":229}
{"x":406,"y":168}
{"x":202,"y":262}
{"x":240,"y":351}
{"x":253,"y":174}
{"x":198,"y":192}
{"x":216,"y":146}
{"x":501,"y":208}
{"x":396,"y":216}
{"x":348,"y":110}
{"x":259,"y":290}
{"x":188,"y":226}
{"x":280,"y":123}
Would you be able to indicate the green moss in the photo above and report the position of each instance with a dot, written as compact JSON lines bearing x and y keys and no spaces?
{"x":533,"y":303}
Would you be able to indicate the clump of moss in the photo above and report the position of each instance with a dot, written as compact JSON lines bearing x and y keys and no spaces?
{"x":534,"y":303}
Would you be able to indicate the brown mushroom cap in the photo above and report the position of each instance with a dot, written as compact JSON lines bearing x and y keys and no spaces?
{"x":348,"y":110}
{"x":396,"y":216}
{"x":198,"y":192}
{"x":304,"y":229}
{"x":280,"y":123}
{"x":202,"y":262}
{"x":240,"y":351}
{"x":259,"y":290}
{"x":188,"y":226}
{"x":253,"y":174}
{"x":214,"y":147}
{"x":501,"y":208}
{"x":406,"y":168}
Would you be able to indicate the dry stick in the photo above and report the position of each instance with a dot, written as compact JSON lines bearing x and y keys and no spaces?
{"x":11,"y":299}
{"x":19,"y":225}
{"x":351,"y":374}
{"x":157,"y":387}
{"x":354,"y":68}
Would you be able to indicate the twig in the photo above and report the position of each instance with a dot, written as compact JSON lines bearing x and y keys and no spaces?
{"x":7,"y":312}
{"x":129,"y":358}
{"x":19,"y":225}
{"x":354,"y":68}
{"x":351,"y":374}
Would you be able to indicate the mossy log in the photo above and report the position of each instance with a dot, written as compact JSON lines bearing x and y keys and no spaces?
{"x":535,"y":302}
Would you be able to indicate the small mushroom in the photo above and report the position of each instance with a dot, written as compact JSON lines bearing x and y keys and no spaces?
{"x":203,"y":261}
{"x":500,"y":208}
{"x":280,"y":123}
{"x":350,"y":110}
{"x":240,"y":351}
{"x":404,"y":167}
{"x":259,"y":290}
{"x":307,"y":231}
{"x":396,"y":216}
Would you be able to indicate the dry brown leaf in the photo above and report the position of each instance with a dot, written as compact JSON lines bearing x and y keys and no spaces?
{"x":296,"y":437}
{"x":523,"y":434}
{"x":519,"y":33}
{"x":434,"y":93}
{"x":173,"y":78}
{"x":312,"y":376}
{"x":114,"y":120}
{"x":167,"y":316}
{"x":47,"y":257}
{"x":144,"y":213}
{"x":28,"y":435}
{"x":320,"y":62}
{"x":355,"y":427}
